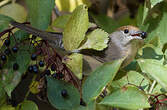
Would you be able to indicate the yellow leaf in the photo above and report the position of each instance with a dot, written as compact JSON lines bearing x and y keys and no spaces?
{"x":70,"y":5}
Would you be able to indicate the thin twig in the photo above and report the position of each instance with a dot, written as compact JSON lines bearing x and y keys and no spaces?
{"x":152,"y":87}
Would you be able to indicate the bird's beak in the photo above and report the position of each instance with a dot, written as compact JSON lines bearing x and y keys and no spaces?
{"x":140,"y":34}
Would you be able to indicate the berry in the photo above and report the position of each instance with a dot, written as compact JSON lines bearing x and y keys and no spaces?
{"x":30,"y":68}
{"x":7,"y":51}
{"x":60,"y":75}
{"x":54,"y":75}
{"x":14,"y":49}
{"x":15,"y":66}
{"x":82,"y":103}
{"x":7,"y":42}
{"x":13,"y":102}
{"x":53,"y":67}
{"x":47,"y":72}
{"x":35,"y":68}
{"x":64,"y":93}
{"x":33,"y":57}
{"x":3,"y":57}
{"x":0,"y":66}
{"x":41,"y":63}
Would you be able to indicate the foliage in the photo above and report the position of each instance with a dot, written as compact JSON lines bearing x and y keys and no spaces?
{"x":137,"y":86}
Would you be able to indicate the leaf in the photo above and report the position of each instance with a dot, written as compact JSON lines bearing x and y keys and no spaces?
{"x":145,"y":11}
{"x":126,"y":20}
{"x":34,"y":87}
{"x":154,"y":69}
{"x":54,"y":88}
{"x":3,"y":95}
{"x":106,"y":23}
{"x":142,"y":14}
{"x":151,"y":52}
{"x":76,"y":28}
{"x":70,"y":5}
{"x":61,"y":21}
{"x":154,"y":2}
{"x":133,"y":78}
{"x":40,"y":12}
{"x":158,"y":89}
{"x":74,"y":63}
{"x":128,"y":98}
{"x":157,"y":24}
{"x":7,"y":107}
{"x":4,"y":22}
{"x":96,"y":40}
{"x":98,"y":79}
{"x":15,"y":11}
{"x":27,"y":105}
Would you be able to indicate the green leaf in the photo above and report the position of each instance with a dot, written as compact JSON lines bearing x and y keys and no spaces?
{"x":142,"y":14}
{"x":74,"y":63}
{"x":158,"y":89}
{"x":4,"y":22}
{"x":102,"y":107}
{"x":75,"y":30}
{"x":54,"y":88}
{"x":3,"y":95}
{"x":96,"y":40}
{"x":128,"y":98}
{"x":98,"y":79}
{"x":154,"y":69}
{"x":133,"y":78}
{"x":106,"y":23}
{"x":157,"y":24}
{"x":27,"y":105}
{"x":61,"y":21}
{"x":154,"y":2}
{"x":7,"y":107}
{"x":15,"y":11}
{"x":145,"y":11}
{"x":40,"y":12}
{"x":151,"y":52}
{"x":126,"y":20}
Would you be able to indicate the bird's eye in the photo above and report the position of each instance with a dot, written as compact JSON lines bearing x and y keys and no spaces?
{"x":126,"y":31}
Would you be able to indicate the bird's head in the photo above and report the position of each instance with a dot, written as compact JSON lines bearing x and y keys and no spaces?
{"x":129,"y":34}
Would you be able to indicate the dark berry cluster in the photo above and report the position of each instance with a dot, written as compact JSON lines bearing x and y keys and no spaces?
{"x":58,"y":75}
{"x":7,"y":52}
{"x":35,"y":68}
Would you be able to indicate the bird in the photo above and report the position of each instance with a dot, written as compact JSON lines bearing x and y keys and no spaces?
{"x":123,"y":42}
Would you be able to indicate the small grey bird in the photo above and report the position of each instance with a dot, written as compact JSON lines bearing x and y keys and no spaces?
{"x":124,"y":42}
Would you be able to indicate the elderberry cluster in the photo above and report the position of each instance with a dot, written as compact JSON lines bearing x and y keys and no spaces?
{"x":35,"y":68}
{"x":7,"y":52}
